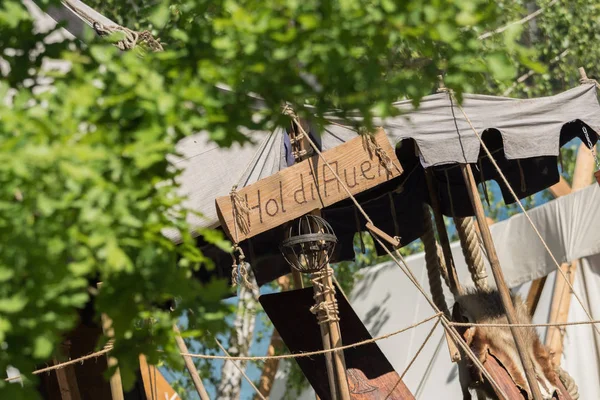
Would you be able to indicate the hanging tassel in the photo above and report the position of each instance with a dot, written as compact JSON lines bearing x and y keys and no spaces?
{"x":239,"y":269}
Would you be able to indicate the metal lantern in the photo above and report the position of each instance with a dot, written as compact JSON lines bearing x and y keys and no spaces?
{"x":309,"y":244}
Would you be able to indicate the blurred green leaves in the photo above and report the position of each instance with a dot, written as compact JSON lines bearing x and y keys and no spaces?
{"x":86,"y":191}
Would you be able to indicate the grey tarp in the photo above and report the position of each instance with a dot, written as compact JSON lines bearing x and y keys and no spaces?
{"x":386,"y":301}
{"x":529,"y":128}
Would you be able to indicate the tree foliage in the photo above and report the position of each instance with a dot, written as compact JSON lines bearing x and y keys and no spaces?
{"x":86,"y":190}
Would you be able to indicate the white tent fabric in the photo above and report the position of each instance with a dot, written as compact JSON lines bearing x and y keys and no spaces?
{"x":386,"y":301}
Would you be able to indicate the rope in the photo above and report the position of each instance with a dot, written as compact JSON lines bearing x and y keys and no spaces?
{"x":468,"y":324}
{"x":325,"y":310}
{"x":410,"y":275}
{"x":240,"y":210}
{"x":569,"y":383}
{"x":97,"y":354}
{"x":443,"y":269}
{"x":374,"y":148}
{"x":258,"y":393}
{"x":432,"y":262}
{"x":469,"y":242}
{"x":512,"y":192}
{"x":313,"y":353}
{"x":445,"y":322}
{"x":413,"y":359}
{"x":239,"y":269}
{"x":131,"y":38}
{"x":518,"y":22}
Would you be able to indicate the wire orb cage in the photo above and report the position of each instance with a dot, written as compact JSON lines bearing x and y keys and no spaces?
{"x":309,"y":244}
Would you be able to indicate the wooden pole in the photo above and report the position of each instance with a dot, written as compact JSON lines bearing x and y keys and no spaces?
{"x":455,"y":286}
{"x":67,"y":381}
{"x":335,"y":335}
{"x":557,"y":190}
{"x":116,"y":385}
{"x":267,"y":376}
{"x":534,"y":294}
{"x":500,"y":282}
{"x":330,"y":331}
{"x":561,"y":297}
{"x":189,"y":365}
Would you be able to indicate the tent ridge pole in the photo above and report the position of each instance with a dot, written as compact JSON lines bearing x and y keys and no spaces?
{"x":499,"y":279}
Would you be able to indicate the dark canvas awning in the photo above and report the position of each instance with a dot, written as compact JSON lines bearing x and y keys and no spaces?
{"x":524,"y":137}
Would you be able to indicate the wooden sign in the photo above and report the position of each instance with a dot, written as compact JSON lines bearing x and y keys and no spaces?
{"x":370,"y":374}
{"x":307,"y":186}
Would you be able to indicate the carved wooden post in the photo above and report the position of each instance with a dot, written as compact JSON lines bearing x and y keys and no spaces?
{"x":499,"y":278}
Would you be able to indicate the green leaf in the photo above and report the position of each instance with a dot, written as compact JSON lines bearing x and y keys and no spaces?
{"x":500,"y":66}
{"x":42,"y":347}
{"x":161,"y":15}
{"x":13,"y":304}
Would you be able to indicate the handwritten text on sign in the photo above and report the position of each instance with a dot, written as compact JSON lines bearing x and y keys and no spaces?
{"x":307,"y":186}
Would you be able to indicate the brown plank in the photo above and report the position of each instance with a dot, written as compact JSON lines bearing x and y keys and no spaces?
{"x":502,"y":378}
{"x":67,"y":381}
{"x":307,"y":186}
{"x":561,"y":297}
{"x":534,"y":294}
{"x":68,"y":387}
{"x":370,"y":374}
{"x":560,"y":189}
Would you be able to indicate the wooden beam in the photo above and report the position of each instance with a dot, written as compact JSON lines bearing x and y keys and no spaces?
{"x":560,"y":189}
{"x":67,"y":380}
{"x":306,"y":186}
{"x":534,"y":294}
{"x":189,"y":365}
{"x":116,"y":385}
{"x":302,"y":148}
{"x":270,"y":367}
{"x":561,"y":297}
{"x":500,"y":282}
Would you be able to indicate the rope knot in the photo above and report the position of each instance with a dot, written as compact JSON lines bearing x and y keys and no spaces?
{"x":241,"y":211}
{"x":374,"y":148}
{"x":325,"y":311}
{"x":239,"y":268}
{"x":131,"y":39}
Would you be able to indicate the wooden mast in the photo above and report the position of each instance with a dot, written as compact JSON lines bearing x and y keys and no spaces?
{"x":499,"y":279}
{"x":330,"y":331}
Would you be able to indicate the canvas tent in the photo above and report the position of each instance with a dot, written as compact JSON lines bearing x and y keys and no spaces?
{"x":386,"y":301}
{"x":523,"y":135}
